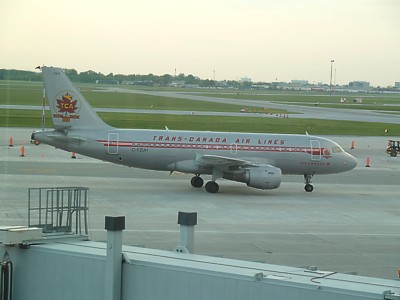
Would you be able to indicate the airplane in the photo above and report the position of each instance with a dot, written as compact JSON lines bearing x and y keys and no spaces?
{"x":257,"y":159}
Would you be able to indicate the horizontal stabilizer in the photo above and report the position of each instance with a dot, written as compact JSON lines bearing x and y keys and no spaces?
{"x":57,"y":136}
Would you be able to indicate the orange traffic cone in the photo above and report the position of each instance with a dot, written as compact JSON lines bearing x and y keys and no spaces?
{"x":352,"y":145}
{"x":367,"y":163}
{"x":11,"y":144}
{"x":22,"y":149}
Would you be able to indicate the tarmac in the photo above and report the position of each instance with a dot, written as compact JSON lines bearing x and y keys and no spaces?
{"x":350,"y":223}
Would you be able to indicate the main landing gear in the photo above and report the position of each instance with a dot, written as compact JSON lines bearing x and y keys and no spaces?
{"x":197,"y":181}
{"x":308,"y":187}
{"x":211,"y":186}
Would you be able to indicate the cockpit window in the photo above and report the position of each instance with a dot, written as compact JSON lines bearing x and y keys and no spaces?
{"x":337,"y":150}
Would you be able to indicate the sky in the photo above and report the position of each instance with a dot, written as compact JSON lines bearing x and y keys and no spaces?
{"x":264,"y":40}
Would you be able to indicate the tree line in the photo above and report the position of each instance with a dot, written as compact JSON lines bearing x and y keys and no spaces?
{"x":19,"y":75}
{"x":93,"y":77}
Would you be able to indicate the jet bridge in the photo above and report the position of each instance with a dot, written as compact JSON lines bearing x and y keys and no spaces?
{"x":91,"y":270}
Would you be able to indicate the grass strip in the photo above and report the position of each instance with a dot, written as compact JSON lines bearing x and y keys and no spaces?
{"x":27,"y":118}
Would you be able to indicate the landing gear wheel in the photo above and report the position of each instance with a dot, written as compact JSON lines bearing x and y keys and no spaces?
{"x":309,"y":188}
{"x":197,"y":182}
{"x":212,"y":187}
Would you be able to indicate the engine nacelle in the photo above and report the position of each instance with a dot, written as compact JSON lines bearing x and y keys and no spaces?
{"x":263,"y":177}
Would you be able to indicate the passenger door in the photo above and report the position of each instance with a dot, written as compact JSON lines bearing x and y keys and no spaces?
{"x":315,"y":150}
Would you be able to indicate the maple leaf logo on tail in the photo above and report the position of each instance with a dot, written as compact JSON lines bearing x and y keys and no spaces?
{"x":66,"y":107}
{"x":66,"y":104}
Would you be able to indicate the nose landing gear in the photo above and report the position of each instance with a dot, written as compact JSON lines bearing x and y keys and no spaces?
{"x":308,"y":187}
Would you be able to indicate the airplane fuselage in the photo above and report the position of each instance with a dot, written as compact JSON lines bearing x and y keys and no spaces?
{"x":259,"y":160}
{"x":171,"y":150}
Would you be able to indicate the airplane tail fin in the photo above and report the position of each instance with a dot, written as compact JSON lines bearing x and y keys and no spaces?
{"x":69,"y":109}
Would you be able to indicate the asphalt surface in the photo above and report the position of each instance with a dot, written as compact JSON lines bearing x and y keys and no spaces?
{"x":349,"y":224}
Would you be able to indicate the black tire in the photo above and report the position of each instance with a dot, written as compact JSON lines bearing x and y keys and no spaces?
{"x":212,"y":187}
{"x":197,"y":182}
{"x":308,"y":188}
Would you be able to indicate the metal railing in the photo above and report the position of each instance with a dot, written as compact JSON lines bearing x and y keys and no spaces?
{"x":59,"y":209}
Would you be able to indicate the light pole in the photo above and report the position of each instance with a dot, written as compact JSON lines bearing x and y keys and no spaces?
{"x":330,"y":84}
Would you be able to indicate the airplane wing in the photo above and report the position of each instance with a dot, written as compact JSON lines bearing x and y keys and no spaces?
{"x":222,"y":162}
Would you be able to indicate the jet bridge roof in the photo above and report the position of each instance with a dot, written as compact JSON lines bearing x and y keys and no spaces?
{"x":142,"y":267}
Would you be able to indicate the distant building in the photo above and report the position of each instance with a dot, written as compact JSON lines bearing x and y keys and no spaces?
{"x":104,"y":81}
{"x":359,"y":85}
{"x":299,"y":85}
{"x":139,"y":82}
{"x":191,"y":85}
{"x":299,"y":82}
{"x":261,"y":86}
{"x":245,"y":79}
{"x":317,"y":89}
{"x":177,"y":83}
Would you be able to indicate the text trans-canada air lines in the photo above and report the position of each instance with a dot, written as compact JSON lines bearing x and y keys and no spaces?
{"x":259,"y":160}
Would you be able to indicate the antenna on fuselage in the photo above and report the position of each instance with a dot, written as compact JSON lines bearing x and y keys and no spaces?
{"x":43,"y":102}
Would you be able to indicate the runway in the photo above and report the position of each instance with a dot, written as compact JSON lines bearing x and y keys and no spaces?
{"x":350,"y":223}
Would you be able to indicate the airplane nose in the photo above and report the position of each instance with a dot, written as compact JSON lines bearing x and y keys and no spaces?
{"x":350,"y":162}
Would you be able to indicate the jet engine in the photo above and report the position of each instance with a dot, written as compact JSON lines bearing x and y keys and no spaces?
{"x":264,"y":177}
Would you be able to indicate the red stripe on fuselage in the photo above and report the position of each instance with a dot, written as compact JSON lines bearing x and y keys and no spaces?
{"x":226,"y":147}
